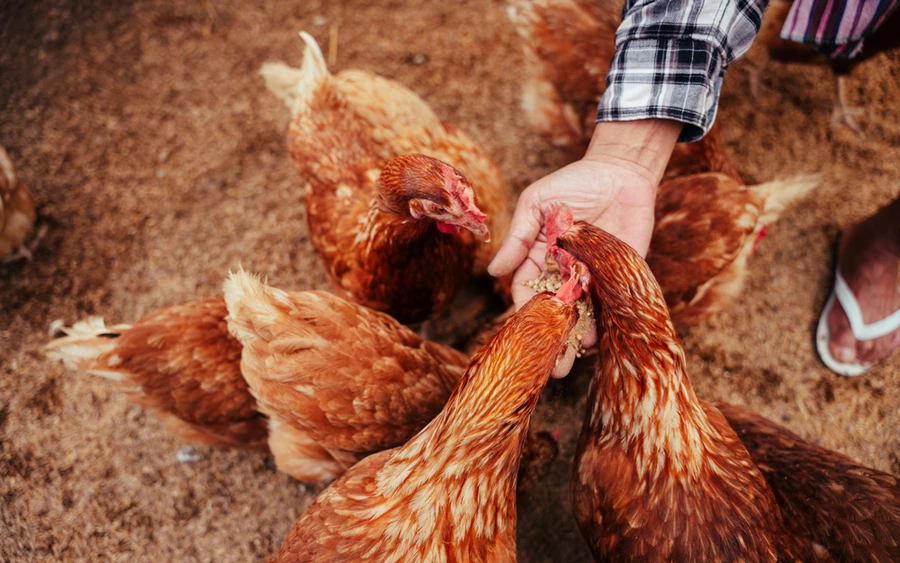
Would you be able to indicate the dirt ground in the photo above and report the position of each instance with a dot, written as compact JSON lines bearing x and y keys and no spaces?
{"x":158,"y":161}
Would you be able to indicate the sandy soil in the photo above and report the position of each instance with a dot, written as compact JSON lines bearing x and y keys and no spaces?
{"x":158,"y":161}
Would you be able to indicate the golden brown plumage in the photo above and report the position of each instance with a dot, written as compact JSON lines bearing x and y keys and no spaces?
{"x":337,"y":380}
{"x":16,"y":211}
{"x":662,"y":475}
{"x":345,"y":128}
{"x":179,"y":362}
{"x":706,"y":227}
{"x":448,"y":494}
{"x":705,"y":155}
{"x":833,"y":507}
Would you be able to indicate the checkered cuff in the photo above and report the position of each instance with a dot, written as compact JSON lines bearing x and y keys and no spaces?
{"x":675,"y":79}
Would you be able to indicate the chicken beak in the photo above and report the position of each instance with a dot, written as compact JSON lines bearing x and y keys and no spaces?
{"x":480,"y":230}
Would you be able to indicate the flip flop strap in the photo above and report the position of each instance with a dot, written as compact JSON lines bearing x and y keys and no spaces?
{"x":861,"y":330}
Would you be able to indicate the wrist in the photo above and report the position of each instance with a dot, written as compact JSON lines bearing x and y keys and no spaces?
{"x":643,"y":146}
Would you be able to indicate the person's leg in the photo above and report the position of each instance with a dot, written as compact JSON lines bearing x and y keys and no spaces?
{"x":868,"y":260}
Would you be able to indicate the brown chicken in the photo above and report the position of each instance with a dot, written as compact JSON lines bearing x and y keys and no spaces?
{"x":338,"y":381}
{"x":568,"y":46}
{"x":706,"y":227}
{"x":345,"y":128}
{"x":16,"y":213}
{"x":661,"y":475}
{"x":354,"y":381}
{"x":448,"y":494}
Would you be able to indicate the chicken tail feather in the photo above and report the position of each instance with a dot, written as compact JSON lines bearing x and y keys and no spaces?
{"x":313,"y":68}
{"x":258,"y":313}
{"x":282,"y":81}
{"x":246,"y":298}
{"x":778,"y":194}
{"x":288,"y":83}
{"x":83,"y":345}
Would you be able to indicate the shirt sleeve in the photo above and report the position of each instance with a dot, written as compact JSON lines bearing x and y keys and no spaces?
{"x":671,"y":57}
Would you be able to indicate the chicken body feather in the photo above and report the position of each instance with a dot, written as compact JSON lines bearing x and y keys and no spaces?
{"x":345,"y":128}
{"x":834,"y":508}
{"x":568,"y":45}
{"x":659,"y":476}
{"x":448,"y":494}
{"x":662,"y":475}
{"x":337,"y":380}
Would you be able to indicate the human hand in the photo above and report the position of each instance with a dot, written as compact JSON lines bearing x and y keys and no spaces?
{"x":612,"y":187}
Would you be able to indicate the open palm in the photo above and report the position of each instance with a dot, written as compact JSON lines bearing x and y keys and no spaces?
{"x":612,"y":197}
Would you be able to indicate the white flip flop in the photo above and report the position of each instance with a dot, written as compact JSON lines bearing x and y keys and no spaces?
{"x":861,"y":330}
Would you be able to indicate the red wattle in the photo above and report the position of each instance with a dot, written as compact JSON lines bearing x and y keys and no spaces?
{"x":447,"y":228}
{"x":759,"y":237}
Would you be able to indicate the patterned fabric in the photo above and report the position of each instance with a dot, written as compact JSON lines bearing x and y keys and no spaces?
{"x":671,"y":56}
{"x":836,"y":27}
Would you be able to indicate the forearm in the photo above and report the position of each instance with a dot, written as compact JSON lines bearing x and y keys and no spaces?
{"x":671,"y":57}
{"x":643,"y":146}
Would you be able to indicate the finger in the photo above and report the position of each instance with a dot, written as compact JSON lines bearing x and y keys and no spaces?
{"x":523,"y":231}
{"x":521,"y":293}
{"x":590,"y":337}
{"x":565,"y":363}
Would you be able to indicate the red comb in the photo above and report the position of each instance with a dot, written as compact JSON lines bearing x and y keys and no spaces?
{"x":456,"y":183}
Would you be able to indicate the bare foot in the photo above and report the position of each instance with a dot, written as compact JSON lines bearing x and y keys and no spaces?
{"x":869,"y":263}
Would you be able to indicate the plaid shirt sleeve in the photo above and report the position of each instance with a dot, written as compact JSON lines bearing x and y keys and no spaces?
{"x":671,"y":56}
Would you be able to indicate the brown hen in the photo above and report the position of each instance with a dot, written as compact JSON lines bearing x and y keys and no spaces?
{"x":338,"y":381}
{"x":394,"y":245}
{"x":448,"y":494}
{"x":661,"y":475}
{"x":706,"y":227}
{"x":16,"y":212}
{"x":834,"y":508}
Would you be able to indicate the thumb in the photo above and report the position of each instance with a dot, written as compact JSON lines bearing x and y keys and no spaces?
{"x":523,"y":231}
{"x":564,"y":363}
